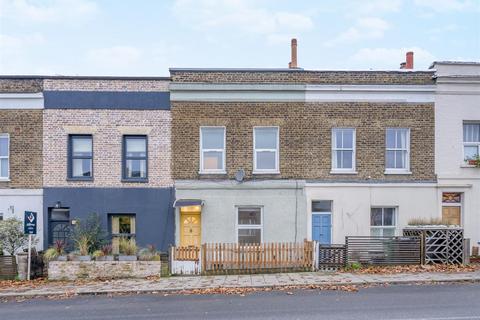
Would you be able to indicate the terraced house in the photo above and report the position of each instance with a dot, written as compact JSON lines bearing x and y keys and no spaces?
{"x":106,"y":150}
{"x":271,"y":155}
{"x":21,"y":104}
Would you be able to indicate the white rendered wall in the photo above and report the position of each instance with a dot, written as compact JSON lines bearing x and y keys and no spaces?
{"x":14,"y":203}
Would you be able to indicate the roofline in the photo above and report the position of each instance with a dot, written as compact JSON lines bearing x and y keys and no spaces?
{"x":173,"y":70}
{"x":60,"y":77}
{"x":471,"y":63}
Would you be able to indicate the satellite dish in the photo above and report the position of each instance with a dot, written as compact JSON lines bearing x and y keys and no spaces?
{"x":240,"y":175}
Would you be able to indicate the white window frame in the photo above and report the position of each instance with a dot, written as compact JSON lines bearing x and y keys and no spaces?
{"x":202,"y":150}
{"x":395,"y":219}
{"x":7,"y":178}
{"x":276,"y":170}
{"x":469,"y":144}
{"x":405,"y":170}
{"x":248,"y":226}
{"x":353,"y":169}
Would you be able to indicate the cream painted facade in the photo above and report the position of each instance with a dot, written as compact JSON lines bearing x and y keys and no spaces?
{"x":352,"y":203}
{"x":457,"y":101}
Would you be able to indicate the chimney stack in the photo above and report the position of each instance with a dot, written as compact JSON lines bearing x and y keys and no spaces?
{"x":408,"y":64}
{"x":293,"y":63}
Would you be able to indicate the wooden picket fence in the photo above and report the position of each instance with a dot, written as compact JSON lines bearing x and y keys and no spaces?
{"x":186,"y":253}
{"x":221,"y":258}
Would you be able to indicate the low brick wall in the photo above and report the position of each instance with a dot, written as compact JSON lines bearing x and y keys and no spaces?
{"x":72,"y":270}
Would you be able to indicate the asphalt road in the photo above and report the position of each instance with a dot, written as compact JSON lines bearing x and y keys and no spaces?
{"x":441,"y":302}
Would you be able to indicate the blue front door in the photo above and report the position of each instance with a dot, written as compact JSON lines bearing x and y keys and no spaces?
{"x":322,"y":228}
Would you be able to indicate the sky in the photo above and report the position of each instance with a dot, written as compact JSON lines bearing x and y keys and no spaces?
{"x":147,"y":37}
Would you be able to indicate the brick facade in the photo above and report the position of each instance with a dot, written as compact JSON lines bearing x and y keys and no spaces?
{"x":107,"y":128}
{"x":106,"y":84}
{"x":25,"y":130}
{"x":305,"y":77}
{"x":305,"y":137}
{"x":20,"y":85}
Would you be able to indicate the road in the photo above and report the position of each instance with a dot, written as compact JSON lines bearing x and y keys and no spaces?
{"x":440,"y":302}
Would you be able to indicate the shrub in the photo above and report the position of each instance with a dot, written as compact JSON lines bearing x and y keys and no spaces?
{"x":12,"y":237}
{"x":353,"y":266}
{"x":107,"y":249}
{"x":149,"y":253}
{"x":425,"y":222}
{"x":97,"y":253}
{"x":54,"y":252}
{"x":88,"y":235}
{"x":127,"y":246}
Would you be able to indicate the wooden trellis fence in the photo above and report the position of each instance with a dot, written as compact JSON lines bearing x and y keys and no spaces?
{"x":220,"y":258}
{"x":441,"y":245}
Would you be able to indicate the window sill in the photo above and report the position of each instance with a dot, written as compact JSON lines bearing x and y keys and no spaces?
{"x":212,"y":172}
{"x":400,"y":172}
{"x":135,"y":180}
{"x":343,"y":172}
{"x":266,"y":172}
{"x":79,"y":179}
{"x":468,"y":166}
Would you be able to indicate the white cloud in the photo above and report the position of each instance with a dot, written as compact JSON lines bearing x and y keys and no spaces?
{"x":364,"y":28}
{"x":238,"y":15}
{"x":112,"y":58}
{"x":448,"y":5}
{"x":390,"y":58}
{"x":48,"y":11}
{"x":15,"y":50}
{"x":373,"y":6}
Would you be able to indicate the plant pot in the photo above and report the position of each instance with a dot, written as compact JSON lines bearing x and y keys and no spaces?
{"x":127,"y":258}
{"x":81,"y":258}
{"x":105,"y":258}
{"x":472,"y":162}
{"x":61,"y":258}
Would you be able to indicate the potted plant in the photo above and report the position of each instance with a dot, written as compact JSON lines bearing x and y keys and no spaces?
{"x":104,"y":254}
{"x":57,"y":252}
{"x":475,"y":161}
{"x":87,"y":236}
{"x":128,"y":249}
{"x":149,"y":254}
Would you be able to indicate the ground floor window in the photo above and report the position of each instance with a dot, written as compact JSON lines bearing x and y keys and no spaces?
{"x":123,"y":226}
{"x":452,"y":208}
{"x":383,"y":222}
{"x":249,"y":225}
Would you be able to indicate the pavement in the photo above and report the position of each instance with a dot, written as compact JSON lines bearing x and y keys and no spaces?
{"x":192,"y":283}
{"x":400,"y":302}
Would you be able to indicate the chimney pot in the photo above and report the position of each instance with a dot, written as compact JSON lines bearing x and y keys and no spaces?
{"x":409,"y":60}
{"x":293,"y":62}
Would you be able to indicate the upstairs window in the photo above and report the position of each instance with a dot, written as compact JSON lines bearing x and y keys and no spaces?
{"x":471,"y":141}
{"x":343,"y":150}
{"x":212,"y":150}
{"x":135,"y":158}
{"x":266,"y":154}
{"x":397,"y":156}
{"x":4,"y":156}
{"x":81,"y":157}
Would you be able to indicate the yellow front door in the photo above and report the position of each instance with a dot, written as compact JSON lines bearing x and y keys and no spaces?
{"x":190,"y":229}
{"x":451,"y":215}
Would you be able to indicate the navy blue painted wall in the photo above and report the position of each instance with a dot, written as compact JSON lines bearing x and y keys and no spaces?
{"x":155,"y":221}
{"x":106,"y":100}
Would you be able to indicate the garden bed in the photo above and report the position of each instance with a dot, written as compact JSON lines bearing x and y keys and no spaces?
{"x":73,"y":270}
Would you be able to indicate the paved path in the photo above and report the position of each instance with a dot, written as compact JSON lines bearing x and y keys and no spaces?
{"x":428,"y":302}
{"x":234,"y":281}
